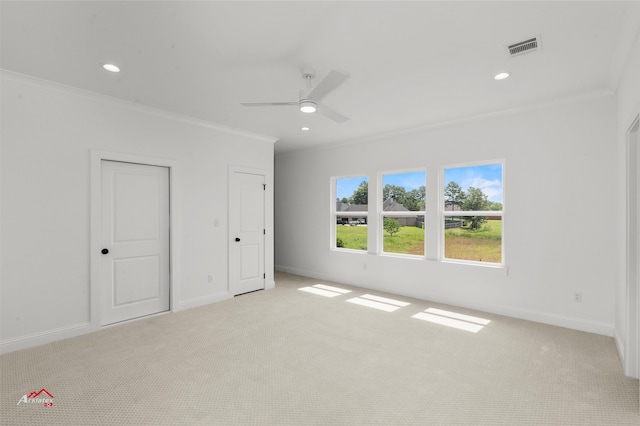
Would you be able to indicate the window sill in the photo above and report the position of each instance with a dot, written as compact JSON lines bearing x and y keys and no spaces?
{"x":485,"y":265}
{"x":346,"y":250}
{"x":403,"y":256}
{"x":495,"y":266}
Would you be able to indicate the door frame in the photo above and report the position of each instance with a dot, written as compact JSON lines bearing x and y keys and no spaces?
{"x":269,"y":281}
{"x":632,"y":289}
{"x":94,"y":246}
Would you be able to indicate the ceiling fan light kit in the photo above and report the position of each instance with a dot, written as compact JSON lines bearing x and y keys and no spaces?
{"x":308,"y":107}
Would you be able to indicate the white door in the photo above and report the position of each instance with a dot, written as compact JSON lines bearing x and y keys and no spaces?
{"x":246,"y":232}
{"x":134,"y":279}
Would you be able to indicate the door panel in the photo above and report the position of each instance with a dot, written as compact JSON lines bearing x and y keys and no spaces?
{"x":136,"y":202}
{"x":246,"y":227}
{"x":136,"y":280}
{"x":135,"y":231}
{"x":250,"y":261}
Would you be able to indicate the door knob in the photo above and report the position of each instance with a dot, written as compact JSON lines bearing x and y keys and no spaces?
{"x":105,"y":251}
{"x":237,"y":239}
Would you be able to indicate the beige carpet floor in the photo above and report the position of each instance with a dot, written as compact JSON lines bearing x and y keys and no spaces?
{"x":291,"y":357}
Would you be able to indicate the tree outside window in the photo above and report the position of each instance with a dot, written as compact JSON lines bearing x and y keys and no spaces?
{"x":351,"y":212}
{"x":473,"y":213}
{"x":403,"y":202}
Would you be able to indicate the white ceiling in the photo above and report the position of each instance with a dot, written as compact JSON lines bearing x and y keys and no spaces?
{"x":411,"y":64}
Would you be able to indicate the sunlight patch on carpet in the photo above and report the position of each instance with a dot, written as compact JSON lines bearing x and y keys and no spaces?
{"x":325,"y":290}
{"x":456,"y":315}
{"x":332,"y":288}
{"x":452,"y":319}
{"x":373,"y":304}
{"x":385,"y":300}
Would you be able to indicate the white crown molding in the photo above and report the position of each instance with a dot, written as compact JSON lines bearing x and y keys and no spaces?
{"x":169,"y":115}
{"x":394,"y":134}
{"x":628,"y":41}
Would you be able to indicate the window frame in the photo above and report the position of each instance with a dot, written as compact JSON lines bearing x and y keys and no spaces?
{"x":381,"y":214}
{"x":334,"y":214}
{"x":443,"y":214}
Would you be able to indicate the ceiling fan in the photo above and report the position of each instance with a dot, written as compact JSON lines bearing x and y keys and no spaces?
{"x":309,"y":100}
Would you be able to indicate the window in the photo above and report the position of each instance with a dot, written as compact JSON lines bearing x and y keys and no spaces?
{"x":402,"y":213}
{"x":472,"y":210}
{"x":350,"y":213}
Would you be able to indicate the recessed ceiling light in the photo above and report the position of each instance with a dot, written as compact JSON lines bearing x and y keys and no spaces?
{"x":305,"y":128}
{"x":501,"y":76}
{"x":111,"y":67}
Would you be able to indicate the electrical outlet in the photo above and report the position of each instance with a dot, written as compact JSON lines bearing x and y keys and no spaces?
{"x":364,"y":266}
{"x":577,"y":297}
{"x":210,"y":278}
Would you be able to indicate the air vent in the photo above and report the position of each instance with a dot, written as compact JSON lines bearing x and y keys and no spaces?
{"x":526,"y":46}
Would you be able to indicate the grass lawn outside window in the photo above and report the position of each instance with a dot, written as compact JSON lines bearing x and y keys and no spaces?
{"x":408,"y":240}
{"x":351,"y":237}
{"x":482,"y":245}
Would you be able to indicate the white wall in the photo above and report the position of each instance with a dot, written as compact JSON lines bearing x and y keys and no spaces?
{"x":48,"y":132}
{"x":628,"y":106}
{"x":559,"y":230}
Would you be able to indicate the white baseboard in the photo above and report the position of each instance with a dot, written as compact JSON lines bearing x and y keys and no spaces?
{"x":528,"y":315}
{"x":201,"y":301}
{"x":310,"y":274}
{"x":43,"y":337}
{"x":619,"y":344}
{"x":546,"y":318}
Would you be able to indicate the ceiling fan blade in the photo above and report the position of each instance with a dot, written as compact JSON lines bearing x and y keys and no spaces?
{"x":330,"y":82}
{"x":268,"y":103}
{"x":329,"y":113}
